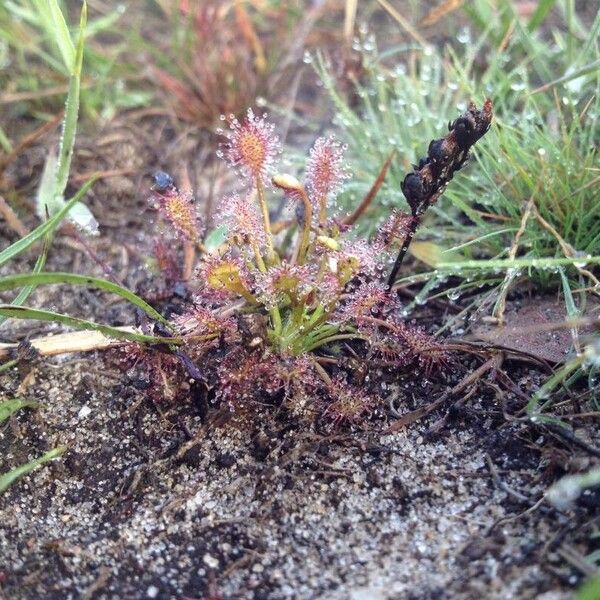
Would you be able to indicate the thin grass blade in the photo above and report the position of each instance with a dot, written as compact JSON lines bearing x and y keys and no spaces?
{"x":23,"y":312}
{"x":36,"y":279}
{"x":25,"y":242}
{"x":9,"y":478}
{"x":25,"y":292}
{"x":539,"y":14}
{"x":71,"y":110}
{"x":54,"y":23}
{"x":585,"y":70}
{"x":517,"y":263}
{"x":10,"y":407}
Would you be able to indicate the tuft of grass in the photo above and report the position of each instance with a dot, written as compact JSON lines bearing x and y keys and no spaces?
{"x":219,"y":58}
{"x":542,"y":148}
{"x":53,"y":209}
{"x":38,"y":54}
{"x":560,"y":386}
{"x":527,"y":213}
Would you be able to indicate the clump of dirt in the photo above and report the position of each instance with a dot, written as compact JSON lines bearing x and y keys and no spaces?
{"x":153,"y":501}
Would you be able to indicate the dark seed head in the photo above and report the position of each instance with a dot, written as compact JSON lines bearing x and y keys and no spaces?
{"x":412,"y":188}
{"x":464,"y":131}
{"x":437,"y":151}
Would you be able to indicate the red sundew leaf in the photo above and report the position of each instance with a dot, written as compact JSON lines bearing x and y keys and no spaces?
{"x":252,"y":145}
{"x":325,"y":171}
{"x":186,"y":99}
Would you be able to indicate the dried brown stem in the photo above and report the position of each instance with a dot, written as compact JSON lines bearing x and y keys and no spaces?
{"x":370,"y":195}
{"x":403,"y":250}
{"x":11,"y":218}
{"x":421,"y":412}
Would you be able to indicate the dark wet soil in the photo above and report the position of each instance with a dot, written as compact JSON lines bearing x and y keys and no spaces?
{"x":150,"y":501}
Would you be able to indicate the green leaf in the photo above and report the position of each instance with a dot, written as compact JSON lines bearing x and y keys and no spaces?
{"x":216,"y":237}
{"x":539,"y":14}
{"x":45,"y":198}
{"x":544,"y":398}
{"x":17,"y":281}
{"x":9,"y":478}
{"x":49,"y":202}
{"x":564,"y":493}
{"x":81,"y":216}
{"x":590,"y":590}
{"x":23,"y":312}
{"x":569,"y":76}
{"x":25,"y":242}
{"x":56,"y":26}
{"x":104,"y":23}
{"x":10,"y":407}
{"x":432,"y":254}
{"x":39,"y":265}
{"x":8,"y":365}
{"x":517,"y":263}
{"x":572,"y":310}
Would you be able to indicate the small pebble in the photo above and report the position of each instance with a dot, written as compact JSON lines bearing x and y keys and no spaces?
{"x":84,"y":412}
{"x":210,"y":561}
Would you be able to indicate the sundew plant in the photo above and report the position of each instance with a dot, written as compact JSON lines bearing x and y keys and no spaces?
{"x":288,"y":314}
{"x":285,"y":316}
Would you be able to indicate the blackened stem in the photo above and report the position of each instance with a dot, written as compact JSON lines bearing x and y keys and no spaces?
{"x":403,"y":249}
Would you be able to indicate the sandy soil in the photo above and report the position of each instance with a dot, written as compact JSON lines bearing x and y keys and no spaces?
{"x":150,"y":502}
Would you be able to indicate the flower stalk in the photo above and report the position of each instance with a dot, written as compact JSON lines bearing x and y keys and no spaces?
{"x":424,"y":186}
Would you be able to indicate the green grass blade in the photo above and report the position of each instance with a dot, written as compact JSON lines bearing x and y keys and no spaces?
{"x":39,"y":265}
{"x":56,"y":26}
{"x":35,"y":279}
{"x":586,"y":69}
{"x":9,"y":478}
{"x":71,"y":110}
{"x":572,"y":310}
{"x":10,"y":407}
{"x":8,"y":365}
{"x":517,"y":263}
{"x":542,"y":399}
{"x":539,"y":14}
{"x":23,"y":312}
{"x":21,"y":245}
{"x":5,"y":142}
{"x":590,"y":590}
